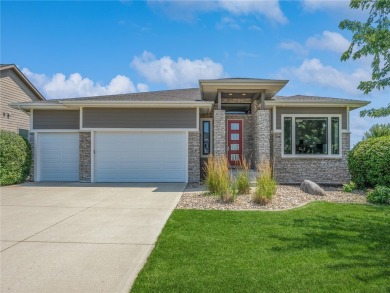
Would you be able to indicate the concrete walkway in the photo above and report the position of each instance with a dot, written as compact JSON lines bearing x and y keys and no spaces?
{"x":80,"y":237}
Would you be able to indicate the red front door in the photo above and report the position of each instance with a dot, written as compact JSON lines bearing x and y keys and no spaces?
{"x":234,"y":141}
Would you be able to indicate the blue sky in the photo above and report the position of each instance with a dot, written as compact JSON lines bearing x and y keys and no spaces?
{"x":82,"y":48}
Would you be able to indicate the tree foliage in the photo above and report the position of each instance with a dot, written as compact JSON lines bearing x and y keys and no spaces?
{"x":377,"y":130}
{"x":376,"y":113}
{"x":371,"y":38}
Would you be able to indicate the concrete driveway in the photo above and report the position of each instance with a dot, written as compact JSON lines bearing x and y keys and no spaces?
{"x":77,"y":237}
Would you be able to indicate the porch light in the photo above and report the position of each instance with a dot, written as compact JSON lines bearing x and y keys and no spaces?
{"x":244,"y":94}
{"x":230,"y":94}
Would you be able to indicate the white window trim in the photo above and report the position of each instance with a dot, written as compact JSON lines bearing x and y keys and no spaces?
{"x":211,"y":137}
{"x":329,"y":155}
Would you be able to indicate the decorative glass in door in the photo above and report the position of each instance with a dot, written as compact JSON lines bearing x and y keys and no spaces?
{"x":234,"y":141}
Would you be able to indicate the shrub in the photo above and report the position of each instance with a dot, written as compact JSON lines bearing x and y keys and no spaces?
{"x":265,"y":184}
{"x":349,"y":187}
{"x":381,"y":194}
{"x":15,"y":158}
{"x":242,"y":181}
{"x":369,"y":162}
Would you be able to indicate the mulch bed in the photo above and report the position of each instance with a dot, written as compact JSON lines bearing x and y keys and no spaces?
{"x":195,"y":196}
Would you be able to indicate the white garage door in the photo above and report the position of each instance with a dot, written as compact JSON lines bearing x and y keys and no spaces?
{"x":140,"y":157}
{"x":58,"y":156}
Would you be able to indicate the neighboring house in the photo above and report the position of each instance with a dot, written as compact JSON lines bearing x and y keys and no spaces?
{"x":14,"y":88}
{"x":165,"y":136}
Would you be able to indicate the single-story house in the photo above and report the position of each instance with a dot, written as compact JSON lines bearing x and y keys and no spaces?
{"x":165,"y":136}
{"x":15,"y":88}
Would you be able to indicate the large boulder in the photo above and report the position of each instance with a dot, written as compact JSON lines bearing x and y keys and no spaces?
{"x":312,"y":188}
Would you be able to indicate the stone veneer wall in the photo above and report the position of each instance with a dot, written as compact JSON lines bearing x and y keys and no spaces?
{"x":247,"y":134}
{"x":194,"y":156}
{"x":85,"y":156}
{"x":326,"y":171}
{"x":262,"y":144}
{"x":219,"y":133}
{"x":32,"y":144}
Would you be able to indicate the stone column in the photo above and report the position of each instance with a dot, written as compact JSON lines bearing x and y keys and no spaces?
{"x":262,"y":135}
{"x":32,"y":144}
{"x":194,"y":156}
{"x":85,"y":156}
{"x":219,"y":133}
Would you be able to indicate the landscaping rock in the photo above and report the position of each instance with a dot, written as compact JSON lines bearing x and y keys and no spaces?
{"x":312,"y":188}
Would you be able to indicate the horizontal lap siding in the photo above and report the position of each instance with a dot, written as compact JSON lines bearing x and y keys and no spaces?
{"x":13,"y":90}
{"x":309,"y":110}
{"x":138,"y":118}
{"x":56,"y":119}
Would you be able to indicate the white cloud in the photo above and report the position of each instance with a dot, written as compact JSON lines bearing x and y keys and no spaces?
{"x":176,"y":74}
{"x":255,"y":28}
{"x":268,"y":8}
{"x":330,"y":41}
{"x":185,"y":9}
{"x":142,"y":87}
{"x":314,"y":5}
{"x":313,"y":71}
{"x":228,"y":22}
{"x":293,"y":46}
{"x":60,"y":86}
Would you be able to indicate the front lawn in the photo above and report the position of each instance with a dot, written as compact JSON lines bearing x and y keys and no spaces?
{"x":321,"y":247}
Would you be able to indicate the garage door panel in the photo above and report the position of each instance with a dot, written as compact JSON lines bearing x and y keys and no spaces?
{"x":59,"y":156}
{"x":140,"y":157}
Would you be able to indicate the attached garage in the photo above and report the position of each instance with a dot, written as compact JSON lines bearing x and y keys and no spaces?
{"x":140,"y":156}
{"x":58,"y":156}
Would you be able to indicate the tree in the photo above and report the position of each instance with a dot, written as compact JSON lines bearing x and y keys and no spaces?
{"x":371,"y":38}
{"x":377,"y":130}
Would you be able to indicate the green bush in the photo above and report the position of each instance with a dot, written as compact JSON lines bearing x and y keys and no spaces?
{"x":15,"y":158}
{"x":369,"y":162}
{"x":349,"y":187}
{"x":265,"y":185}
{"x":381,"y":194}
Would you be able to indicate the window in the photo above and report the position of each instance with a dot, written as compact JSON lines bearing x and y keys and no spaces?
{"x":206,"y":131}
{"x":304,"y":135}
{"x":23,"y":133}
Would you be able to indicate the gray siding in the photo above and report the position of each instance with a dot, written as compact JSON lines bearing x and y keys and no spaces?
{"x":138,"y":118}
{"x":309,"y":110}
{"x":56,"y":119}
{"x":14,"y":90}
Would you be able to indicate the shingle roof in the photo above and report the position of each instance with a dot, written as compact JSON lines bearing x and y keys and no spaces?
{"x":311,"y":99}
{"x":188,"y":95}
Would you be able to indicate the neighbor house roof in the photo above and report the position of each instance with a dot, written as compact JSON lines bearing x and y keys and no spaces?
{"x":23,"y":78}
{"x":300,"y":100}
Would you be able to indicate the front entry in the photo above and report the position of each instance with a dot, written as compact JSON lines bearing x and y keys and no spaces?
{"x":234,"y":142}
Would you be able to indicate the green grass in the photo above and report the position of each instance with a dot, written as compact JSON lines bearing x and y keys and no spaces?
{"x":322,"y":247}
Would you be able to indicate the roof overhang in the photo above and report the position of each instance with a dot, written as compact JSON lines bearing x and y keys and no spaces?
{"x":209,"y":88}
{"x":63,"y":105}
{"x":352,"y":105}
{"x":24,"y":79}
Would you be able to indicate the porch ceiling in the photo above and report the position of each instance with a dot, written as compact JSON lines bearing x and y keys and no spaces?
{"x":236,"y":87}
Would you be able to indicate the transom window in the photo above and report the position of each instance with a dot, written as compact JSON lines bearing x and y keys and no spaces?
{"x":311,"y":135}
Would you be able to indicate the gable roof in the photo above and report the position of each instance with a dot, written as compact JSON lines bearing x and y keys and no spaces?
{"x":23,"y":78}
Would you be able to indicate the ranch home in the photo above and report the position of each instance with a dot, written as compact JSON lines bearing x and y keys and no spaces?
{"x":166,"y":136}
